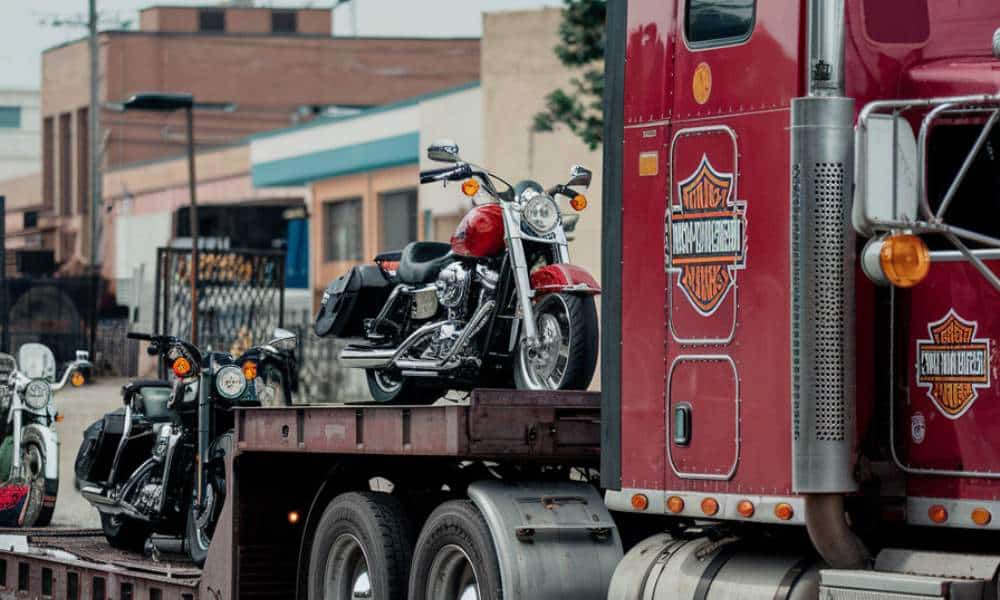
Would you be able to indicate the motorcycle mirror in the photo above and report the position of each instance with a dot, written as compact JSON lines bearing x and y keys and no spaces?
{"x":284,"y":340}
{"x":580,"y":176}
{"x":443,"y":151}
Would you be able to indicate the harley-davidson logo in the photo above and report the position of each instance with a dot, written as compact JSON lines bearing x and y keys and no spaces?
{"x":953,"y":364}
{"x":706,"y":237}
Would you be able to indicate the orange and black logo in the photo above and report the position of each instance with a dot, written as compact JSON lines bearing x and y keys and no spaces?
{"x":953,"y":364}
{"x":706,"y":237}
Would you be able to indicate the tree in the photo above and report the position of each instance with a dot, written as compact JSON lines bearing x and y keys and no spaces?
{"x":580,"y":108}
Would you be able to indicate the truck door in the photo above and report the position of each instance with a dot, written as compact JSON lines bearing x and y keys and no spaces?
{"x":726,"y":246}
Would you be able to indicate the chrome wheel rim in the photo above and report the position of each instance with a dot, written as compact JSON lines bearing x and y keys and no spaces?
{"x":386,"y":382}
{"x":347,"y":576}
{"x":203,"y":518}
{"x":452,"y":576}
{"x":31,"y":463}
{"x":544,"y":364}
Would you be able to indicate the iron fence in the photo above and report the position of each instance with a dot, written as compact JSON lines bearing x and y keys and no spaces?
{"x":321,"y":378}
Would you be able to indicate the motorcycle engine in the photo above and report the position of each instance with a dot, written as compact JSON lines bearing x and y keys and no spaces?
{"x":453,"y":285}
{"x":148,"y":498}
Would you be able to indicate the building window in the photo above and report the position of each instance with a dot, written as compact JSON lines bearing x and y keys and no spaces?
{"x":342,"y":230}
{"x":30,"y":219}
{"x":284,"y":21}
{"x":211,"y":20}
{"x":399,"y":218}
{"x":65,"y":164}
{"x":10,"y":117}
{"x":719,"y":22}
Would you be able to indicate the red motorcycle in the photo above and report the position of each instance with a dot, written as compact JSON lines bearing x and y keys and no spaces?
{"x":498,"y":306}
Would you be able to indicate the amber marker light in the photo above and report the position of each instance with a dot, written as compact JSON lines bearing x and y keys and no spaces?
{"x":579,"y":202}
{"x":675,"y":504}
{"x":470,"y":187}
{"x":784,"y":511}
{"x":937,"y":513}
{"x":710,"y":506}
{"x":981,"y":517}
{"x":77,"y":379}
{"x":293,"y":517}
{"x":745,"y":508}
{"x":60,"y":418}
{"x":250,"y":370}
{"x":181,"y":367}
{"x":905,"y":260}
{"x":640,"y":502}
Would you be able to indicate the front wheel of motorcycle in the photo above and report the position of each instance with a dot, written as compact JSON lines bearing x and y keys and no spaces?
{"x":387,"y":388}
{"x":564,"y":356}
{"x":202,"y":520}
{"x":33,"y":475}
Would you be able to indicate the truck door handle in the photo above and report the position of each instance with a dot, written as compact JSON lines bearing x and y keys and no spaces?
{"x":682,"y":424}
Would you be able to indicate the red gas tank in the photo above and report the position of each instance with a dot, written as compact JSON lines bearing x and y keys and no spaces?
{"x":480,"y":234}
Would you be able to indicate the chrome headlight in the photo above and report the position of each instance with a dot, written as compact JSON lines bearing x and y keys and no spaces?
{"x":540,"y":212}
{"x":230,"y":382}
{"x":36,"y":394}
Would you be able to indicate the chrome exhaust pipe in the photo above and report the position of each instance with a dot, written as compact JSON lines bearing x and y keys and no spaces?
{"x":366,"y":359}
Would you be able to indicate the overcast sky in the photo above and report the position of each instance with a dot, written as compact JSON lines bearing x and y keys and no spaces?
{"x":23,"y":36}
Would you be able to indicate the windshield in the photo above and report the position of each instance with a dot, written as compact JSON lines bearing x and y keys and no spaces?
{"x":37,"y":361}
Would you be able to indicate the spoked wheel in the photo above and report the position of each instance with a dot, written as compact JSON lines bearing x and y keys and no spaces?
{"x":390,"y":388}
{"x":33,"y":475}
{"x":564,"y":356}
{"x":455,"y":558}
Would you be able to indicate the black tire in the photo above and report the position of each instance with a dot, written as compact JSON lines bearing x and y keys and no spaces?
{"x":399,"y":390}
{"x":201,"y":524}
{"x":361,"y":533}
{"x":48,"y":503}
{"x":455,"y":550}
{"x":125,"y":533}
{"x":577,"y":318}
{"x":33,"y":475}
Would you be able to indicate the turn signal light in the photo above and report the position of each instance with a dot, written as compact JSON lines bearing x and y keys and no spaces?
{"x":640,"y":502}
{"x":470,"y":187}
{"x":675,"y":504}
{"x":937,"y":513}
{"x":579,"y":202}
{"x":60,"y":417}
{"x":905,"y":260}
{"x":181,"y":367}
{"x":77,"y":379}
{"x":745,"y":508}
{"x":784,"y":511}
{"x":710,"y":506}
{"x":981,"y":517}
{"x":250,"y":370}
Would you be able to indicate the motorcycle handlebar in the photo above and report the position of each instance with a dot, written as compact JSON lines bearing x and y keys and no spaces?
{"x":139,"y":336}
{"x":449,"y":173}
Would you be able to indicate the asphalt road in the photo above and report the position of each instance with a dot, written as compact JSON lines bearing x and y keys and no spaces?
{"x":80,"y":407}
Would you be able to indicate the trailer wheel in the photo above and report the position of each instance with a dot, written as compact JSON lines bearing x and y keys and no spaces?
{"x":455,"y":558}
{"x":361,"y":549}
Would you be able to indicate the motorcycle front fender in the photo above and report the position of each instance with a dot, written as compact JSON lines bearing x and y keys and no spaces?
{"x":50,"y":451}
{"x":564,"y":279}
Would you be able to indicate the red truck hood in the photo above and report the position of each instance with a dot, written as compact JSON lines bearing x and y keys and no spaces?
{"x":952,"y":77}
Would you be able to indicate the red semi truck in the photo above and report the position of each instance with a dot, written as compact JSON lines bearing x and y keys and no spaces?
{"x":799,"y":392}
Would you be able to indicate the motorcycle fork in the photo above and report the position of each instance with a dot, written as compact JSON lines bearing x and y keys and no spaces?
{"x":204,"y":414}
{"x":16,"y":417}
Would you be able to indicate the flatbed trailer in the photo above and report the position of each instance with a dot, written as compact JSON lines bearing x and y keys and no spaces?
{"x":290,"y":462}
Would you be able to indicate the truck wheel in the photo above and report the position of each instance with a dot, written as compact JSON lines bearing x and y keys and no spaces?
{"x":124,"y":533}
{"x":455,"y":558}
{"x":566,"y":355}
{"x":361,"y":549}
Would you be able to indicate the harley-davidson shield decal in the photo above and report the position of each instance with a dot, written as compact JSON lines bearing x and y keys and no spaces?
{"x":953,"y":364}
{"x":706,"y":237}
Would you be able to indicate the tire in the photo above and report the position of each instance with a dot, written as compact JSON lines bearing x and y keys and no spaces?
{"x":200,"y":526}
{"x":363,"y":543}
{"x":33,"y":475}
{"x":575,"y":319}
{"x":455,"y":558}
{"x":386,"y":390}
{"x":125,"y":533}
{"x":48,"y":503}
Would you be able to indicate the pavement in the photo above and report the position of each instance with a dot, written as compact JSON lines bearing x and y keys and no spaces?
{"x":80,"y":407}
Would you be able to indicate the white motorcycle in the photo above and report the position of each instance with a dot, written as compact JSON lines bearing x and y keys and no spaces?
{"x":30,"y":444}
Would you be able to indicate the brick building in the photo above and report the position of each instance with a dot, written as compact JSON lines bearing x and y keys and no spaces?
{"x":279,"y":66}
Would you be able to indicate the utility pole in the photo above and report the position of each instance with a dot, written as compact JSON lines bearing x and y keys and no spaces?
{"x":94,"y":138}
{"x":193,"y":219}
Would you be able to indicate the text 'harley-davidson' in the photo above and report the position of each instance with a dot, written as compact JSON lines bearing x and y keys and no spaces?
{"x":500,"y":305}
{"x":157,"y":465}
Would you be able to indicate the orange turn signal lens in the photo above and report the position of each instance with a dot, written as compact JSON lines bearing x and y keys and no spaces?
{"x":250,"y":370}
{"x":745,"y":508}
{"x":579,"y":202}
{"x":77,"y":379}
{"x":640,"y":502}
{"x":937,"y":513}
{"x":981,"y":517}
{"x":675,"y":504}
{"x":60,"y":417}
{"x":470,"y":187}
{"x":784,"y":511}
{"x":710,"y":506}
{"x":181,"y":367}
{"x":905,"y":260}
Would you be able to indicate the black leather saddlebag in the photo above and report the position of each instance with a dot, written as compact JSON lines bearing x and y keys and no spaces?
{"x":100,"y":444}
{"x":353,"y":297}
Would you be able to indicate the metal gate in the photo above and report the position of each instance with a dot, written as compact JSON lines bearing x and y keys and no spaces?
{"x":241,"y":296}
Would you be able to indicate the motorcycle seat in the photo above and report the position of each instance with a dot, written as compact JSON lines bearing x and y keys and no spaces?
{"x":422,"y":261}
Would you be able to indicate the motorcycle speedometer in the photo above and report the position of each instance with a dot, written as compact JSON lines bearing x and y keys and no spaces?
{"x":36,"y":394}
{"x":230,"y":382}
{"x":541,"y":213}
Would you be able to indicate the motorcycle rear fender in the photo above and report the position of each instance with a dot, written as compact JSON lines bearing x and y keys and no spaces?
{"x":564,"y":279}
{"x":51,"y":450}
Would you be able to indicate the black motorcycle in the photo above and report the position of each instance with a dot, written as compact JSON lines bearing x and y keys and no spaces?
{"x":157,"y":465}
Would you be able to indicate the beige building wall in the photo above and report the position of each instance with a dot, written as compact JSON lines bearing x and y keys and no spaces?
{"x":516,"y":78}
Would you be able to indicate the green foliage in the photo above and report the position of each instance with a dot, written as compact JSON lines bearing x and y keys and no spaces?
{"x":580,"y":108}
